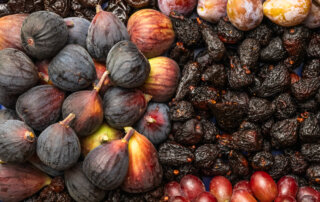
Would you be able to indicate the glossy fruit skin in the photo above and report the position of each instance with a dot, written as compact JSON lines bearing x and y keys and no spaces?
{"x":179,"y":199}
{"x":163,"y":79}
{"x":79,"y":187}
{"x":172,"y":189}
{"x":7,"y":114}
{"x":183,"y":7}
{"x":287,"y":12}
{"x":72,"y":69}
{"x":36,"y":162}
{"x":263,"y":186}
{"x":243,"y":185}
{"x":245,"y":14}
{"x":8,"y":100}
{"x":123,"y":107}
{"x":313,"y":19}
{"x":191,"y":186}
{"x":303,"y":191}
{"x":243,"y":196}
{"x":285,"y":198}
{"x":10,"y":31}
{"x":18,"y":73}
{"x":212,"y":10}
{"x":43,"y":34}
{"x":127,"y":66}
{"x":101,"y":38}
{"x":158,"y":128}
{"x":19,"y":181}
{"x":40,"y":106}
{"x":287,"y":186}
{"x":78,"y":30}
{"x":221,"y":188}
{"x":17,"y":141}
{"x":205,"y":197}
{"x":145,"y":31}
{"x":43,"y":71}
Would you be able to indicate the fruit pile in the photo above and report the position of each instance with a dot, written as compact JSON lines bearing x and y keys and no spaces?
{"x":113,"y":104}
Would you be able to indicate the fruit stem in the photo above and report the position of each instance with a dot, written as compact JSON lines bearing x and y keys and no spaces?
{"x":69,"y":23}
{"x":98,"y":8}
{"x":29,"y":136}
{"x":147,"y":97}
{"x":67,"y":120}
{"x":149,"y":119}
{"x":129,"y":132}
{"x":103,"y":78}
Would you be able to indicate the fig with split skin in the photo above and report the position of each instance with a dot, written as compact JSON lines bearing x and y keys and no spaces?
{"x":43,"y":66}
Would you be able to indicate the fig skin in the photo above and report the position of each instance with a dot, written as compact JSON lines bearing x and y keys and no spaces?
{"x":36,"y":162}
{"x":40,"y":106}
{"x":10,"y":31}
{"x":104,"y":32}
{"x":20,"y":181}
{"x":163,"y":79}
{"x":8,"y":100}
{"x":43,"y":71}
{"x":151,"y":31}
{"x":58,"y":145}
{"x":7,"y":114}
{"x":79,"y":187}
{"x":17,"y":141}
{"x":124,"y":107}
{"x":78,"y":30}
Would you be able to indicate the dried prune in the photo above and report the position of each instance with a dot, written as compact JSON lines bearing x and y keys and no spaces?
{"x":313,"y":48}
{"x":119,"y":8}
{"x":209,"y":131}
{"x":311,"y":152}
{"x":284,"y":133}
{"x":205,"y":155}
{"x":228,"y":33}
{"x":25,"y":6}
{"x":262,"y":33}
{"x":138,"y":3}
{"x":239,"y":164}
{"x":172,"y":173}
{"x":313,"y":174}
{"x":274,"y":52}
{"x":305,"y":88}
{"x":201,"y":96}
{"x":55,"y":192}
{"x":294,"y":40}
{"x":204,"y":59}
{"x":247,"y":140}
{"x":224,"y":143}
{"x":219,"y":167}
{"x":239,"y":76}
{"x":61,"y":7}
{"x":190,"y":133}
{"x":216,"y":75}
{"x":281,"y":166}
{"x":310,"y":105}
{"x":181,"y":54}
{"x":249,"y":52}
{"x":266,"y":127}
{"x":173,"y":154}
{"x":311,"y":69}
{"x":260,"y":109}
{"x":309,"y":131}
{"x":262,"y":161}
{"x":298,"y":163}
{"x":246,"y":125}
{"x":285,"y":106}
{"x":181,"y":111}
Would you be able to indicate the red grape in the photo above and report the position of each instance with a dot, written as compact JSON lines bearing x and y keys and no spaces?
{"x":285,"y":198}
{"x":178,"y":199}
{"x":308,"y":198}
{"x":244,"y":184}
{"x":287,"y":185}
{"x":184,"y":7}
{"x":303,"y":191}
{"x":221,"y":188}
{"x":191,"y":186}
{"x":205,"y":197}
{"x":172,"y":189}
{"x":242,"y":195}
{"x":263,"y":186}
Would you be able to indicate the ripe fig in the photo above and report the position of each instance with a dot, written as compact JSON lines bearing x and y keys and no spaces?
{"x":127,"y":66}
{"x":58,"y":145}
{"x":7,"y":114}
{"x":104,"y":134}
{"x":40,"y":106}
{"x":79,"y":187}
{"x":100,"y":69}
{"x":17,"y":141}
{"x":72,"y":69}
{"x":104,"y":31}
{"x":107,"y":165}
{"x":43,"y":34}
{"x":156,"y":123}
{"x":163,"y":79}
{"x":145,"y":171}
{"x":36,"y":162}
{"x":19,"y":181}
{"x":78,"y":30}
{"x":8,"y":100}
{"x":124,"y":107}
{"x":43,"y":71}
{"x":10,"y":31}
{"x":87,"y":106}
{"x":17,"y":71}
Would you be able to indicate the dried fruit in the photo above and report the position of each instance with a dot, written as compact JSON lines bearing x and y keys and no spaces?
{"x":190,"y":133}
{"x":260,"y":109}
{"x":247,"y":140}
{"x":262,"y":161}
{"x":205,"y":155}
{"x":311,"y":152}
{"x":284,"y":106}
{"x":216,"y":75}
{"x":228,"y":33}
{"x":181,"y":111}
{"x":174,"y":154}
{"x":309,"y":129}
{"x":274,"y":52}
{"x":60,"y":7}
{"x":284,"y":133}
{"x":119,"y":8}
{"x":313,"y":174}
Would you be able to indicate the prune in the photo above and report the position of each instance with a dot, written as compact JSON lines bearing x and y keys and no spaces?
{"x":181,"y":111}
{"x":247,"y":140}
{"x":239,"y":76}
{"x":311,"y":152}
{"x":260,"y":109}
{"x":239,"y":164}
{"x":281,"y":166}
{"x":228,"y":33}
{"x":205,"y":155}
{"x":262,"y":33}
{"x":305,"y":88}
{"x":61,"y":7}
{"x":313,"y":48}
{"x":190,"y":133}
{"x":23,"y":6}
{"x":266,"y":127}
{"x":119,"y":8}
{"x":294,"y":40}
{"x":313,"y":174}
{"x":311,"y":69}
{"x":262,"y":161}
{"x":224,"y":143}
{"x":309,"y":105}
{"x":201,"y":96}
{"x":210,"y":131}
{"x":274,"y":51}
{"x":177,"y":173}
{"x":309,"y":131}
{"x":204,"y":59}
{"x":284,"y":133}
{"x":249,"y":52}
{"x":154,"y":195}
{"x":285,"y":106}
{"x":78,"y":30}
{"x":317,"y":96}
{"x":216,"y":75}
{"x":181,"y":54}
{"x":8,"y":114}
{"x":173,"y":154}
{"x":84,"y":13}
{"x":138,"y":3}
{"x":219,"y":167}
{"x":298,"y":162}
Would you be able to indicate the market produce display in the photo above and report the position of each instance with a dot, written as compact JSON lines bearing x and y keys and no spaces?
{"x":160,"y":100}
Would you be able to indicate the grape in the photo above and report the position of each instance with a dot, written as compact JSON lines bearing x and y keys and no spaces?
{"x":263,"y":186}
{"x":243,"y":185}
{"x":179,"y":199}
{"x":287,"y":185}
{"x":221,"y":188}
{"x":191,"y":186}
{"x":205,"y":197}
{"x":242,"y":195}
{"x":303,"y":191}
{"x":285,"y":198}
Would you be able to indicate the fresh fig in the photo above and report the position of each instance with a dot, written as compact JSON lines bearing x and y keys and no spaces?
{"x":87,"y":107}
{"x":43,"y":71}
{"x":163,"y":79}
{"x":58,"y":145}
{"x":72,"y":69}
{"x":17,"y":71}
{"x":78,"y":30}
{"x":127,"y":66}
{"x":79,"y":187}
{"x":17,"y":141}
{"x":105,"y":30}
{"x":155,"y":123}
{"x":19,"y":181}
{"x":43,"y":34}
{"x":40,"y":106}
{"x":104,"y":134}
{"x":107,"y":165}
{"x":100,"y":69}
{"x":124,"y":107}
{"x":8,"y":100}
{"x":36,"y":162}
{"x":10,"y":31}
{"x":145,"y":171}
{"x":8,"y":114}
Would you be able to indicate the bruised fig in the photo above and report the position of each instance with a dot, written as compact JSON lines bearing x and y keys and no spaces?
{"x":19,"y":181}
{"x":40,"y":106}
{"x":145,"y":171}
{"x":104,"y":31}
{"x":58,"y":145}
{"x":79,"y":187}
{"x":104,"y":134}
{"x":7,"y":114}
{"x":43,"y":34}
{"x":127,"y":66}
{"x":124,"y":107}
{"x":87,"y":107}
{"x":36,"y":162}
{"x":78,"y":30}
{"x":17,"y":141}
{"x":107,"y":165}
{"x":155,"y":124}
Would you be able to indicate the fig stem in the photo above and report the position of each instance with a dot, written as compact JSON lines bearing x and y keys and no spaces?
{"x":98,"y":8}
{"x":67,"y":120}
{"x":149,"y":119}
{"x":129,"y":132}
{"x":147,"y":97}
{"x":103,"y":78}
{"x":29,"y":136}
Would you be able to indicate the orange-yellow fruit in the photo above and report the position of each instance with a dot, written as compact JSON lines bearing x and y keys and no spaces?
{"x":212,"y":10}
{"x":313,"y":19}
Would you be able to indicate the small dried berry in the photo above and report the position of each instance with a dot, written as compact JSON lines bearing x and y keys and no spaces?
{"x":298,"y":163}
{"x":119,"y":8}
{"x":313,"y":48}
{"x":190,"y":133}
{"x":260,"y":109}
{"x":210,"y":131}
{"x":284,"y":133}
{"x":60,"y":7}
{"x":262,"y":33}
{"x":311,"y":69}
{"x":174,"y":154}
{"x":239,"y":164}
{"x":216,"y":75}
{"x":181,"y":54}
{"x":311,"y":152}
{"x":205,"y":155}
{"x":262,"y":161}
{"x":220,"y":167}
{"x":239,"y":76}
{"x":181,"y":111}
{"x":204,"y":59}
{"x":266,"y":127}
{"x":281,"y":166}
{"x":294,"y":40}
{"x":274,"y":52}
{"x":228,"y":33}
{"x":200,"y":97}
{"x":305,"y":88}
{"x":247,"y":140}
{"x":285,"y":106}
{"x":309,"y":131}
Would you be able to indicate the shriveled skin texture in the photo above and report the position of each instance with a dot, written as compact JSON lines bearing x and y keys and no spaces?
{"x":245,"y":14}
{"x":212,"y":10}
{"x":311,"y":152}
{"x":287,"y":12}
{"x":184,"y":7}
{"x":313,"y":19}
{"x":174,"y":154}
